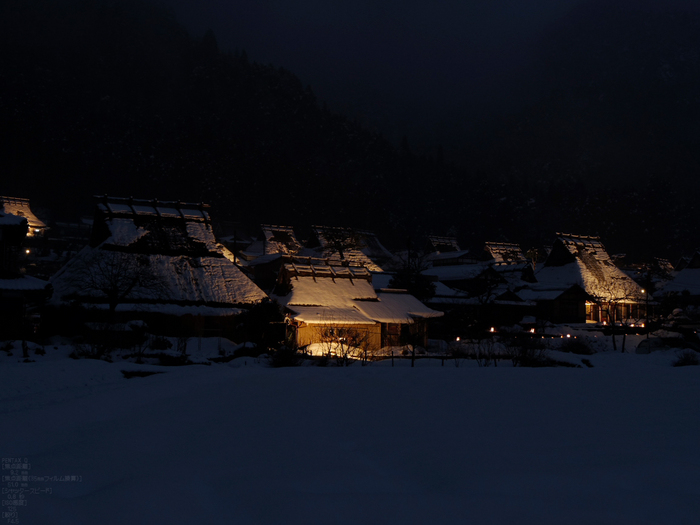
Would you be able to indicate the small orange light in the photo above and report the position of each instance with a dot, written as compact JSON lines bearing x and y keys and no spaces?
{"x":27,"y":251}
{"x":492,"y":329}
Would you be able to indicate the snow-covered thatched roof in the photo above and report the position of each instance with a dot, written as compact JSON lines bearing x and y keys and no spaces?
{"x":505,"y":252}
{"x":318,"y":293}
{"x":395,"y":307}
{"x":20,"y":208}
{"x":168,"y":248}
{"x":23,"y":283}
{"x":280,"y":240}
{"x":687,"y":279}
{"x":360,"y":247}
{"x":130,"y":207}
{"x":583,"y":261}
{"x":443,"y":244}
{"x":8,"y":219}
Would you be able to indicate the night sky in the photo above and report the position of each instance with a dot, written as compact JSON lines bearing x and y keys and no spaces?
{"x":425,"y":69}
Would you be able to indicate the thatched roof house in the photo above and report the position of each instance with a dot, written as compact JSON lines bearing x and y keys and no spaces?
{"x":358,"y":247}
{"x":582,"y":261}
{"x":319,"y":297}
{"x":146,"y":255}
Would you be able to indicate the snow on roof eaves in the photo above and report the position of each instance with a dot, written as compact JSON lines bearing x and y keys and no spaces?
{"x":437,"y":241}
{"x":24,"y":283}
{"x":447,"y":255}
{"x":300,"y":268}
{"x":396,"y":308}
{"x":442,"y":290}
{"x":505,"y":252}
{"x":325,"y":315}
{"x":311,"y":291}
{"x":369,"y":247}
{"x":9,"y":219}
{"x":202,"y":232}
{"x":143,"y":207}
{"x":202,"y":280}
{"x":124,"y":232}
{"x":596,"y":283}
{"x":176,"y":309}
{"x":571,"y":240}
{"x":456,"y":272}
{"x":20,"y":207}
{"x":273,"y":245}
{"x":687,"y":279}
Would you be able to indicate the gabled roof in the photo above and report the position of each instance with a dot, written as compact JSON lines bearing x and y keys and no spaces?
{"x":154,"y":227}
{"x":329,"y":294}
{"x":280,"y":239}
{"x":682,"y":263}
{"x":583,"y":260}
{"x":442,"y":244}
{"x":130,"y":208}
{"x":663,"y":265}
{"x":9,"y":219}
{"x":174,"y":241}
{"x":23,"y":283}
{"x":686,"y":279}
{"x":20,"y":207}
{"x":517,"y":275}
{"x":358,"y":246}
{"x":396,"y":307}
{"x":543,"y":292}
{"x":450,"y":258}
{"x":505,"y":252}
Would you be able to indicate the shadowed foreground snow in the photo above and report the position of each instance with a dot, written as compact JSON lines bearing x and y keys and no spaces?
{"x":231,"y":444}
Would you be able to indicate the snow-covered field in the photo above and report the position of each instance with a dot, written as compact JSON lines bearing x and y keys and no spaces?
{"x":240,"y":443}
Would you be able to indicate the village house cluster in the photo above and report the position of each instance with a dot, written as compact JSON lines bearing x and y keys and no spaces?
{"x":161,"y":262}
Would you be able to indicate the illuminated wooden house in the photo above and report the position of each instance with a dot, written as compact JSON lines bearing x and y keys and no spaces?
{"x":321,"y":298}
{"x":581,"y":262}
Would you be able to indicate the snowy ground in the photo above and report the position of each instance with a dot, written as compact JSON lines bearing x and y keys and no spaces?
{"x":239,"y":443}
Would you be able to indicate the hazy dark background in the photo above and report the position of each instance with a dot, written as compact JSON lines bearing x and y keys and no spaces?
{"x":498,"y":122}
{"x":428,"y":70}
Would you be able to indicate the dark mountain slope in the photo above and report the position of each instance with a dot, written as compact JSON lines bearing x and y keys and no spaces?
{"x":114,"y":97}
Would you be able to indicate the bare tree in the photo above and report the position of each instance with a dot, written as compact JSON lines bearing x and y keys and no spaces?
{"x":345,"y":342}
{"x":117,"y":277}
{"x":341,"y":240}
{"x":410,"y":276}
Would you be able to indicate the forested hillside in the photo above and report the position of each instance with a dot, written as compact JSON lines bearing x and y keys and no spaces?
{"x":106,"y":96}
